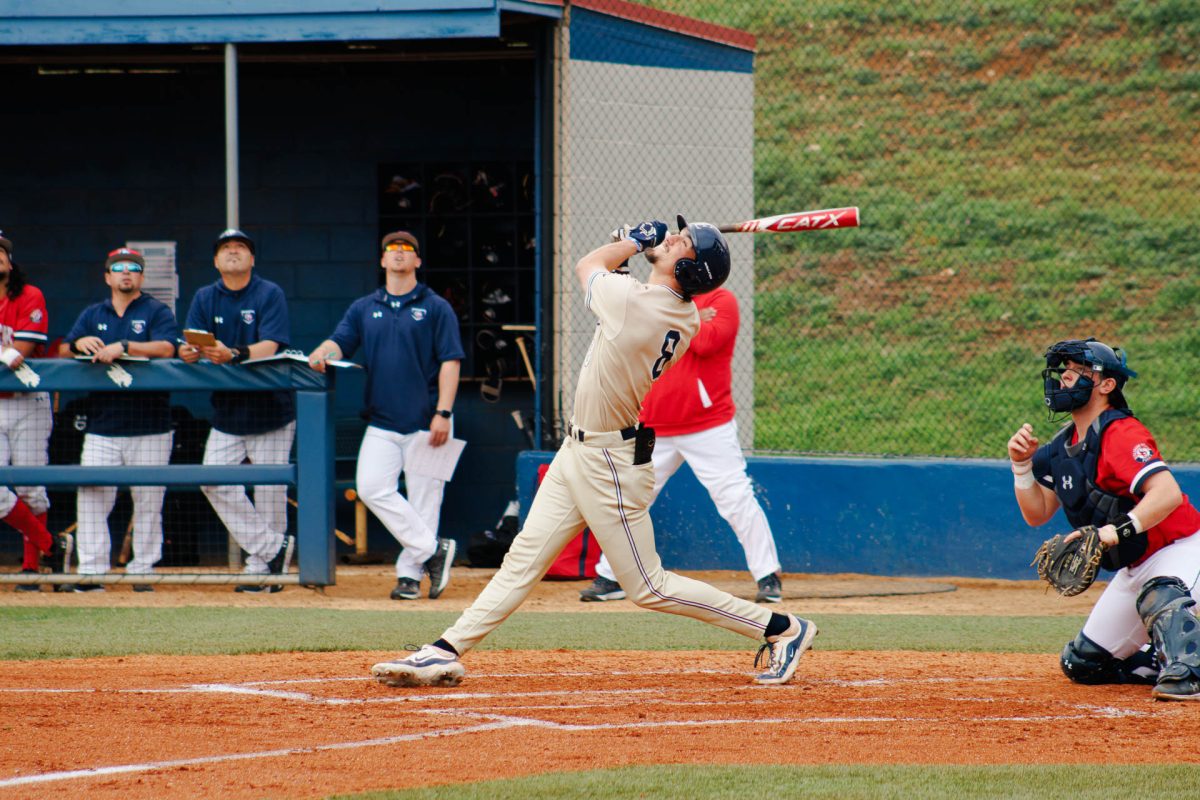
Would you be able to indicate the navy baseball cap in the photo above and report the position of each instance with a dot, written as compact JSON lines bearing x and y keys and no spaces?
{"x":233,"y":235}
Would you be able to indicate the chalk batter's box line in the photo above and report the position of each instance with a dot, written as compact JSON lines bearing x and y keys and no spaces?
{"x":491,"y":721}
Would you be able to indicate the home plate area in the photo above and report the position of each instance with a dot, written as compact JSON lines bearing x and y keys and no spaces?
{"x":312,"y":724}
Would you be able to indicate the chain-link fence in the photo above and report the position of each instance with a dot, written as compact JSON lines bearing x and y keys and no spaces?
{"x":1027,"y":172}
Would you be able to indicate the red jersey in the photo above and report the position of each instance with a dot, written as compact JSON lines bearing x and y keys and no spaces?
{"x":695,"y":394}
{"x":24,"y":319}
{"x":1128,"y":456}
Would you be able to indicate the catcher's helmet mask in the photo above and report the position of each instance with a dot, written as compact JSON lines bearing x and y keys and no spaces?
{"x":709,"y":269}
{"x":1098,"y":357}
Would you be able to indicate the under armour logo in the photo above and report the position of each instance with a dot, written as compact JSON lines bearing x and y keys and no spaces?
{"x":219,"y":320}
{"x":1067,"y":482}
{"x":376,"y":314}
{"x":102,"y":326}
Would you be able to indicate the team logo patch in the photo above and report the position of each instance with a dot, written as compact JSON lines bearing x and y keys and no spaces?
{"x":1142,"y":452}
{"x":137,"y":325}
{"x":36,"y":316}
{"x":418,"y":314}
{"x":248,"y":316}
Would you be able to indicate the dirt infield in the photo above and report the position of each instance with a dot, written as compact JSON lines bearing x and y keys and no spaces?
{"x":306,"y":725}
{"x":311,"y":724}
{"x":367,"y":588}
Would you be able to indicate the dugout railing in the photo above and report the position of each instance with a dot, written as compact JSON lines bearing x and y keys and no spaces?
{"x":311,"y":475}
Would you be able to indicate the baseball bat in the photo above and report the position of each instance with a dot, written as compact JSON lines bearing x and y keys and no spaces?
{"x":797,"y":222}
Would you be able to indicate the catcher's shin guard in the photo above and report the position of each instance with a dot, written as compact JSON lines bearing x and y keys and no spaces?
{"x":1084,"y":661}
{"x":1165,"y":606}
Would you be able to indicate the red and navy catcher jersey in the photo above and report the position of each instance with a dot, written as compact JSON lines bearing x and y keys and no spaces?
{"x":1127,"y":457}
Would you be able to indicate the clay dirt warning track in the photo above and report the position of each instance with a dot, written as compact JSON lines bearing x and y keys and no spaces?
{"x":311,"y":724}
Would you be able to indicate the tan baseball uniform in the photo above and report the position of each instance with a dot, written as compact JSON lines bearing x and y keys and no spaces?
{"x":593,"y":481}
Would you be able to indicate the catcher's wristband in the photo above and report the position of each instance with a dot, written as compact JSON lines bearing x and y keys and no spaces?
{"x":1128,"y":525}
{"x":1022,"y":474}
{"x":8,"y":355}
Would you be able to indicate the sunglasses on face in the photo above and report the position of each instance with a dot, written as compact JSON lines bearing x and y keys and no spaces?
{"x":404,"y":246}
{"x":126,"y":266}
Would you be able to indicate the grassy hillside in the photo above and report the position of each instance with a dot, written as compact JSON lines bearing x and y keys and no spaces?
{"x":1027,"y":172}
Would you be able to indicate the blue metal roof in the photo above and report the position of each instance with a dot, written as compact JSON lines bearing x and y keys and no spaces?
{"x":82,"y":22}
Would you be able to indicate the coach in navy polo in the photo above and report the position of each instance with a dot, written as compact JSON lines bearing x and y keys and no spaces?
{"x":123,"y":428}
{"x":248,"y":315}
{"x":409,"y":336}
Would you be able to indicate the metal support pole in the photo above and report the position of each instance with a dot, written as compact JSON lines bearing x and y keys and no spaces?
{"x":232,"y":212}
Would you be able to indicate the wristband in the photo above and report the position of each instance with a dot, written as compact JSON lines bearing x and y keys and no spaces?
{"x":8,"y":355}
{"x":1127,"y":525}
{"x":1023,"y":480}
{"x":1022,"y":467}
{"x":124,"y":345}
{"x":238,"y":356}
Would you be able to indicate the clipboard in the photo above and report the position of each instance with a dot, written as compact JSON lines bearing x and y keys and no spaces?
{"x":199,"y":338}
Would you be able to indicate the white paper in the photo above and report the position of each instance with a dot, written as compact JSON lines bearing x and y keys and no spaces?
{"x":421,"y":458}
{"x":297,"y":355}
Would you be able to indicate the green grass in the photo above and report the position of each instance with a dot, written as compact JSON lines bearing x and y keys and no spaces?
{"x":41,"y":633}
{"x":1026,"y":172}
{"x":1080,"y":782}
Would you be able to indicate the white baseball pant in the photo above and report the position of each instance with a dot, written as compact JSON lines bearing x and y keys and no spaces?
{"x":596,"y":484}
{"x":258,"y":527}
{"x":412,"y":520}
{"x":94,"y":503}
{"x":715,"y":457}
{"x":25,"y":422}
{"x":1114,"y":623}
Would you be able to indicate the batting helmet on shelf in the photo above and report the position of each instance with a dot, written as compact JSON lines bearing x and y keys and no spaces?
{"x":1098,"y":356}
{"x":710,"y":267}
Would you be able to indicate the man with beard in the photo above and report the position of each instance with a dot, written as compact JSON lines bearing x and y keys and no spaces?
{"x":123,"y":427}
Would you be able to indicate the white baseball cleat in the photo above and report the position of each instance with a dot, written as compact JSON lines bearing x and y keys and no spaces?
{"x":785,"y":652}
{"x":429,"y":666}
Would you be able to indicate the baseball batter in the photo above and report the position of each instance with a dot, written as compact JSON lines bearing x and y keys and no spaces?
{"x":691,"y":410}
{"x":602,"y":476}
{"x":25,"y":417}
{"x":1105,"y":469}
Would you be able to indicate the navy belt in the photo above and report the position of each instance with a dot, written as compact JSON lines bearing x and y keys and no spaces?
{"x":626,"y":433}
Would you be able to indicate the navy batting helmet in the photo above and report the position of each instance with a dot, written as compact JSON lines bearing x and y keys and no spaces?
{"x":1098,"y":356}
{"x":710,"y":268}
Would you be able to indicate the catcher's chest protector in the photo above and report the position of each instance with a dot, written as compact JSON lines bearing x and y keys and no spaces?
{"x":1073,"y":468}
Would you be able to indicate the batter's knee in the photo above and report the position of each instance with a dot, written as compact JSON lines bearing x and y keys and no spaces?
{"x":1084,"y":661}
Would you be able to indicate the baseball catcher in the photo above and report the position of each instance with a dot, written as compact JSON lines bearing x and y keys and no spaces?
{"x":1105,"y":471}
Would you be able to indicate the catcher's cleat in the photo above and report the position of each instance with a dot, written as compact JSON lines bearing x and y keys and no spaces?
{"x":406,"y":589}
{"x":602,"y":590}
{"x":428,"y":666}
{"x":438,"y":567}
{"x":785,"y":652}
{"x":770,"y":589}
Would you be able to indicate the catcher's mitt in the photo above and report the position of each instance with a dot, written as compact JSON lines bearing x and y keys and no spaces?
{"x":1070,"y":567}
